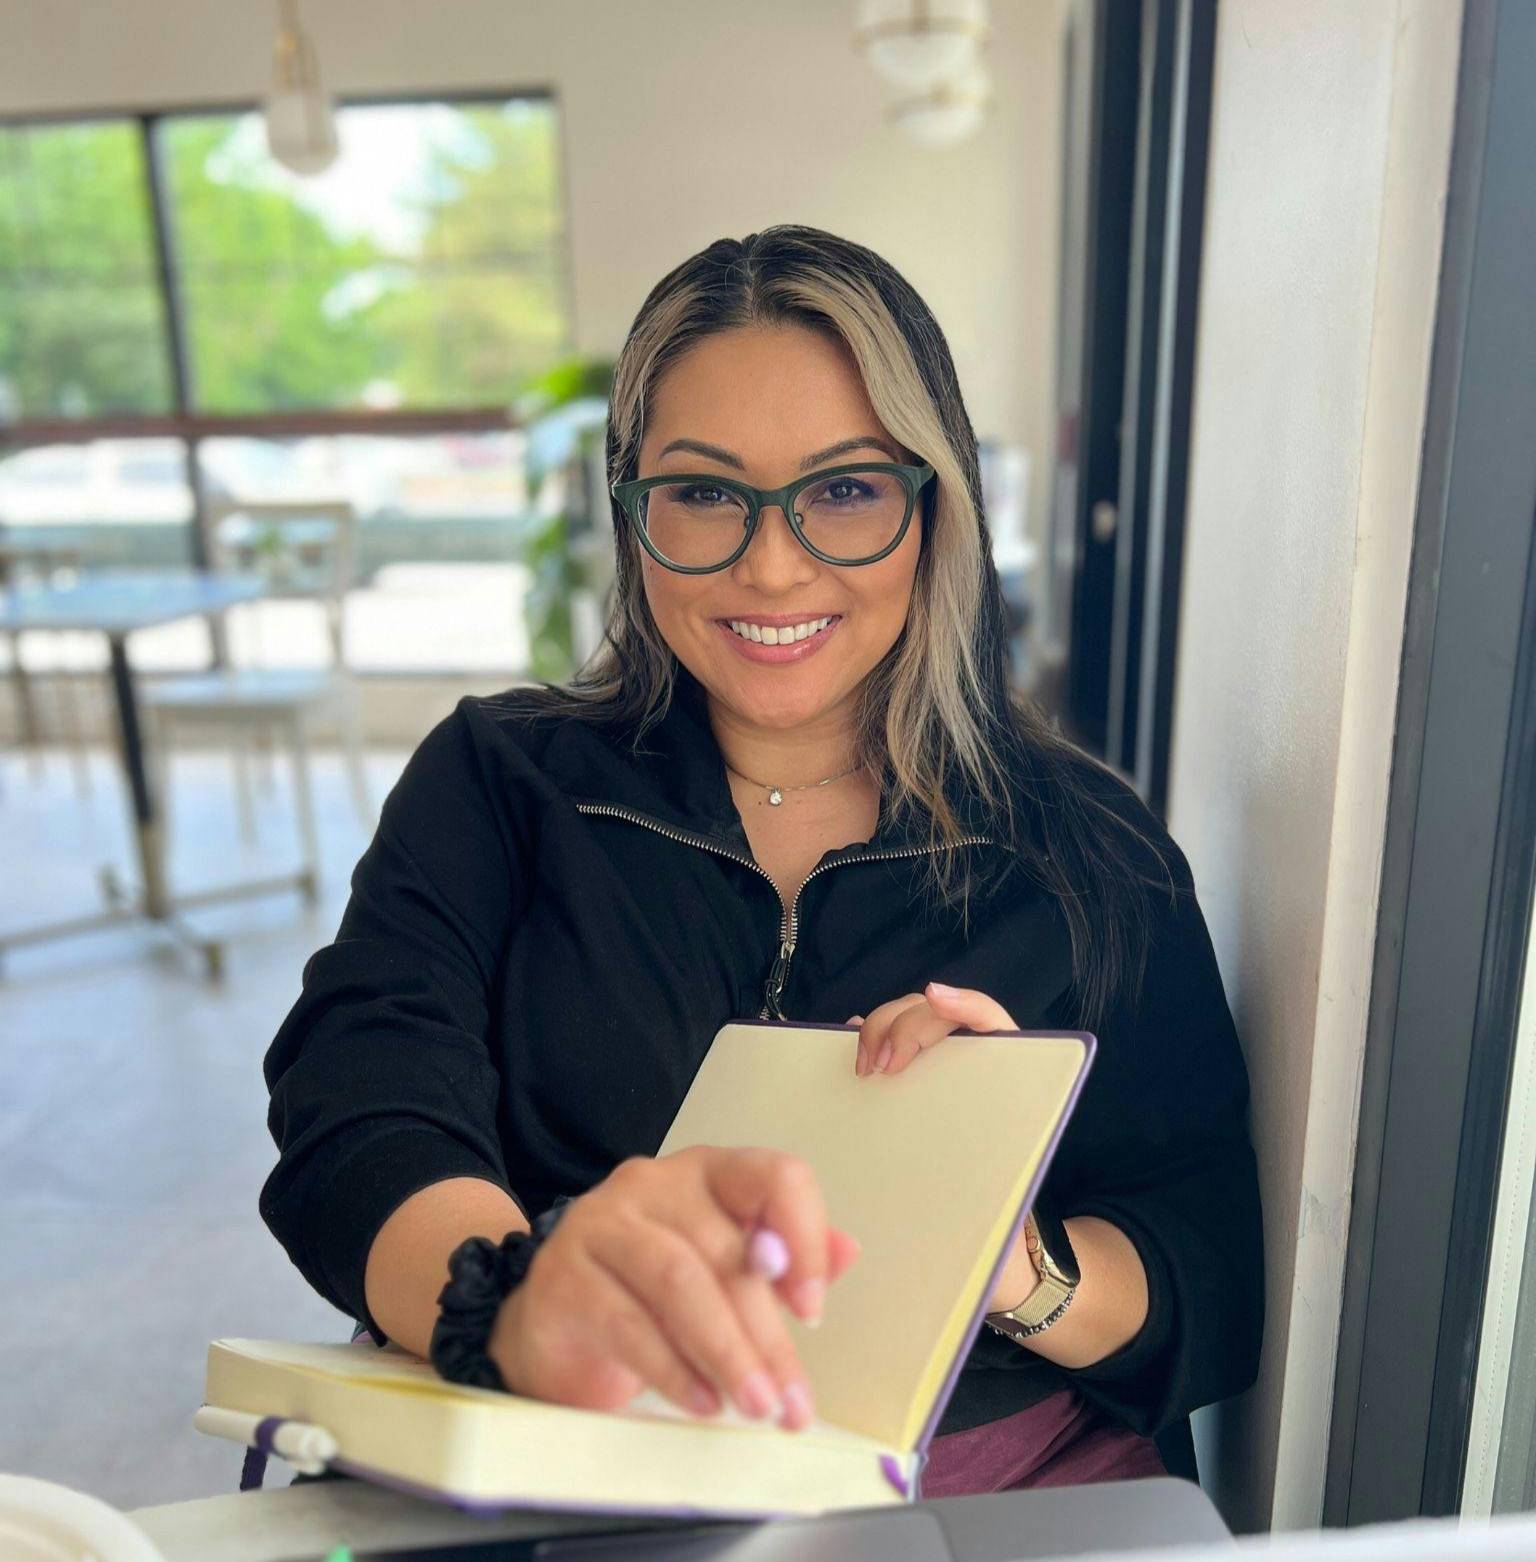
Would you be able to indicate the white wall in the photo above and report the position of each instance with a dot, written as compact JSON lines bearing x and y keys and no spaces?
{"x":1329,"y":156}
{"x":684,"y":121}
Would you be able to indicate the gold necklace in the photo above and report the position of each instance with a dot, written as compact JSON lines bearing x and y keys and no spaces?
{"x":776,"y":793}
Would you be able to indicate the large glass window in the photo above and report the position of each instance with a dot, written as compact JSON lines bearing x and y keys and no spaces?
{"x":421,"y":275}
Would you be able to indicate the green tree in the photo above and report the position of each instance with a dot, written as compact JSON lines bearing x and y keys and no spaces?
{"x":486,"y":309}
{"x":81,"y":326}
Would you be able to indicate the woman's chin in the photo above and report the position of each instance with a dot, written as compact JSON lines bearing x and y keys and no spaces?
{"x":774,"y":700}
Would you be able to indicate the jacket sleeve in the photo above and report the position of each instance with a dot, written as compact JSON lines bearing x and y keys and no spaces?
{"x":1159,"y":1147}
{"x":380,"y":1076}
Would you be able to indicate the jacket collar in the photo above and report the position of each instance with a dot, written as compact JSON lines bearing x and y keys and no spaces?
{"x":677,"y":776}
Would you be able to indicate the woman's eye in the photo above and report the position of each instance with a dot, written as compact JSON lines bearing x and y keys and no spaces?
{"x":843,"y":490}
{"x":699,"y":494}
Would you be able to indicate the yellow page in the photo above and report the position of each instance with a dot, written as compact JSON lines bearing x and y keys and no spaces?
{"x":402,"y":1372}
{"x":927,"y":1168}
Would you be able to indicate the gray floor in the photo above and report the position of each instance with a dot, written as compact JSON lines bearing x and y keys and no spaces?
{"x":133,"y":1139}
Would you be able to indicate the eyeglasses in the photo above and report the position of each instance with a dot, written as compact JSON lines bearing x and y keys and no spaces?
{"x":846,"y":515}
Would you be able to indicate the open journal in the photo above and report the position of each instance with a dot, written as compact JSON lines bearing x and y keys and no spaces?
{"x":931,"y":1169}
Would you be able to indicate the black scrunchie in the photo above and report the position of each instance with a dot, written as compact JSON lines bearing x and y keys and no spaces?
{"x":482,"y":1274}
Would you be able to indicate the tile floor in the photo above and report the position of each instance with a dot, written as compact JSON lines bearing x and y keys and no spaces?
{"x":133,"y":1137}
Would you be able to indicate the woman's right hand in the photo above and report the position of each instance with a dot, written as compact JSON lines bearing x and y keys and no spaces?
{"x":645,"y":1282}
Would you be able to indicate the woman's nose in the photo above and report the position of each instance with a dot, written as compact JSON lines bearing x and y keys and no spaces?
{"x":774,"y":560}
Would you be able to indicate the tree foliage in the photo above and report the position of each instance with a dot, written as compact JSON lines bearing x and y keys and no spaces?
{"x":284,"y":309}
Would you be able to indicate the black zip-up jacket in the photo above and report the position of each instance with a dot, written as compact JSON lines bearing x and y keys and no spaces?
{"x":548,"y":929}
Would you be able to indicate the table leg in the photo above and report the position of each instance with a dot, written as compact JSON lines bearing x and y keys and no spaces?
{"x":146,"y":822}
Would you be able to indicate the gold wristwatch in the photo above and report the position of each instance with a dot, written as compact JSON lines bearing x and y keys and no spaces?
{"x":1056,"y":1265}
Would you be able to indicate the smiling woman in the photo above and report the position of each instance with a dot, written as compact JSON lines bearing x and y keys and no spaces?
{"x":795,"y":783}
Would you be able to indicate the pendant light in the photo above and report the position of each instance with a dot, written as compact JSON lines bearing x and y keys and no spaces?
{"x":301,"y":126}
{"x":948,"y":112}
{"x":915,"y":44}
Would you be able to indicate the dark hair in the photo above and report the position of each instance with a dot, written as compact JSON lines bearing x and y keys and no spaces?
{"x":938,"y":718}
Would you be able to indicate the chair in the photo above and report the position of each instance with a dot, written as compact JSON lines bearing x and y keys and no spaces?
{"x":306,"y":552}
{"x":19,"y":563}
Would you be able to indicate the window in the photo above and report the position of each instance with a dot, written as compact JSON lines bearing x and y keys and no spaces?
{"x":357,"y":335}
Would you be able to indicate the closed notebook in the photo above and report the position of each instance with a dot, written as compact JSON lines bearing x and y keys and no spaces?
{"x":931,"y":1169}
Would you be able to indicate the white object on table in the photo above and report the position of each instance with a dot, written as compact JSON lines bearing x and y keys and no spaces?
{"x":41,"y":1521}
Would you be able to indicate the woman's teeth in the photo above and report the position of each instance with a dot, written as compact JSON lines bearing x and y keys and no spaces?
{"x":766,"y":634}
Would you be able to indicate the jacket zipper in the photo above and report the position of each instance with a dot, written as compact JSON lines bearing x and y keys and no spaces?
{"x":789,"y":922}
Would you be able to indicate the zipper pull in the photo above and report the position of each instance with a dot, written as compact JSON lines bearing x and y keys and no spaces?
{"x":774,"y":989}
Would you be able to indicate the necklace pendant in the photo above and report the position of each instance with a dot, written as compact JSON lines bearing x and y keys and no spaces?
{"x":775,"y":796}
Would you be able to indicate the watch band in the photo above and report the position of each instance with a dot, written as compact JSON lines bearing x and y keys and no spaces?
{"x":1056,"y":1266}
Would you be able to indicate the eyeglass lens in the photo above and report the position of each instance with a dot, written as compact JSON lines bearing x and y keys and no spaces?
{"x":849,"y":516}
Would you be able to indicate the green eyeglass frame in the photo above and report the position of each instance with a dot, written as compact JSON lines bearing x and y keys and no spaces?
{"x":913,"y":478}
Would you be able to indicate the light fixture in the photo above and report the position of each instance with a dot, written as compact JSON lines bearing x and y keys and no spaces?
{"x":947,"y":112}
{"x":301,"y":127}
{"x":914,"y":44}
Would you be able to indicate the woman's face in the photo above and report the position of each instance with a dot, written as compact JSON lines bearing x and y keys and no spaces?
{"x":773,"y":398}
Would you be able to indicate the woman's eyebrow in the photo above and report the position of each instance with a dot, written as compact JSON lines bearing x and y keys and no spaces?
{"x":729,"y":457}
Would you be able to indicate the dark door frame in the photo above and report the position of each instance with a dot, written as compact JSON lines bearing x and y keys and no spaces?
{"x":1101,"y":48}
{"x":1178,"y":44}
{"x":1460,"y":847}
{"x":1138,"y":76}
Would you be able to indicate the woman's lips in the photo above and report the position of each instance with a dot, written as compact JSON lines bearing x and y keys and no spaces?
{"x":795,"y":651}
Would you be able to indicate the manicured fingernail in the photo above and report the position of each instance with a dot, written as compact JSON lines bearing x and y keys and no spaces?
{"x":756,"y":1396}
{"x":766,"y":1254}
{"x":702,"y":1400}
{"x":855,"y":1019}
{"x":883,"y":1059}
{"x":809,"y":1295}
{"x":861,"y":1062}
{"x":798,"y":1410}
{"x":942,"y":990}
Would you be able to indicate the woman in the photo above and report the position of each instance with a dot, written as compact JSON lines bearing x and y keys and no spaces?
{"x":793,"y":784}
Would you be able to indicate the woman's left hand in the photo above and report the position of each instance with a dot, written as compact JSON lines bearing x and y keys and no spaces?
{"x":892,"y":1035}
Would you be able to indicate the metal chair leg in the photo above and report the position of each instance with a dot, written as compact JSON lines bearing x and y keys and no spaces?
{"x":263,"y":747}
{"x":351,"y":727}
{"x":245,"y":801}
{"x":74,"y":732}
{"x":157,"y":752}
{"x":304,"y":803}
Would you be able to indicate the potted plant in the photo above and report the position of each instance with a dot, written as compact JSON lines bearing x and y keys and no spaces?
{"x":563,"y":413}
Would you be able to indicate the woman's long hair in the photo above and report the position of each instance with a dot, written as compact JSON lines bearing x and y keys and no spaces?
{"x":937,"y":719}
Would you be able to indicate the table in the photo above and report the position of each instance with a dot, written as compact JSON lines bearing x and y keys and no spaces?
{"x":115,"y":603}
{"x":297,"y":1523}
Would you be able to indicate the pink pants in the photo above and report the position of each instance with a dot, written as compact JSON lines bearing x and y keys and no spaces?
{"x":1062,"y":1441}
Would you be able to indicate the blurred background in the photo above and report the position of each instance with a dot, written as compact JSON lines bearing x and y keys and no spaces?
{"x":307,"y":318}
